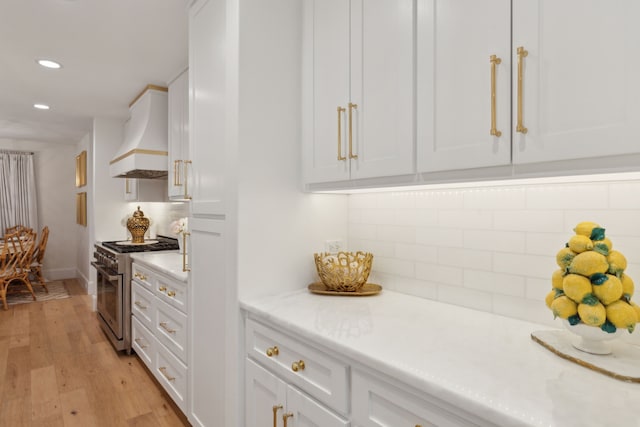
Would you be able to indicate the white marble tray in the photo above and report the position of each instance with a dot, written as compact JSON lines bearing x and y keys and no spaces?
{"x":623,"y":363}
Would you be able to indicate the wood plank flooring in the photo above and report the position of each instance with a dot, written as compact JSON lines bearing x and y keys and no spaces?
{"x":57,"y":369}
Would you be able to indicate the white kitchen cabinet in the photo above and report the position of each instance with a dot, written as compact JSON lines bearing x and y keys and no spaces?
{"x":159,"y":328}
{"x":564,"y":89}
{"x":178,"y":180}
{"x":208,"y":314}
{"x":358,"y":89}
{"x":269,"y":401}
{"x":463,"y":84}
{"x":207,"y":108}
{"x":580,"y":91}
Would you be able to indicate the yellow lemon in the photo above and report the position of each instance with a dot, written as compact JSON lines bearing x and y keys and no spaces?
{"x":627,"y":286}
{"x":550,"y":297}
{"x":564,"y":257}
{"x":622,"y":315}
{"x":617,"y":262}
{"x":585,"y":228}
{"x":609,"y":291}
{"x":589,"y":263}
{"x":563,"y":307}
{"x":576,"y":287}
{"x":603,"y":246}
{"x":556,"y":279}
{"x":580,"y":243}
{"x":636,"y":307}
{"x":592,"y":315}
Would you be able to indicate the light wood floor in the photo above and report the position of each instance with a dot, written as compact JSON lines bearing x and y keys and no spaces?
{"x":58,"y":369}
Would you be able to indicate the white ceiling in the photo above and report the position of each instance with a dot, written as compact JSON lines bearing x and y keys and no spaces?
{"x":109,"y":49}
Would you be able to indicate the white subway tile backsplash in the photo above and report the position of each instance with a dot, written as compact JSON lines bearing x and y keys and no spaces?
{"x":495,"y":283}
{"x":465,"y":219}
{"x":568,"y":196}
{"x":466,"y":258}
{"x":526,"y":220}
{"x":495,"y":241}
{"x":447,"y":237}
{"x":492,"y":248}
{"x":498,"y":198}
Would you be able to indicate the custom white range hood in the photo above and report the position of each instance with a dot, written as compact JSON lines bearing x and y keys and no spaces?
{"x":144,"y":153}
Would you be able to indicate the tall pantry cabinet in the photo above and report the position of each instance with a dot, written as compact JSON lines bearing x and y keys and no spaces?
{"x":210,"y":299}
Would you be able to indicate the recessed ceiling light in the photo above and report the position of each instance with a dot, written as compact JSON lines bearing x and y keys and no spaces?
{"x":41,"y":106}
{"x":47,"y":63}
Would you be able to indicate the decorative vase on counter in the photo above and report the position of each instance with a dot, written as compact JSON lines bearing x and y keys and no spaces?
{"x":591,"y":291}
{"x":138,"y":225}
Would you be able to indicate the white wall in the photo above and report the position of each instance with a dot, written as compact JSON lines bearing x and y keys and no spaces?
{"x":488,"y":248}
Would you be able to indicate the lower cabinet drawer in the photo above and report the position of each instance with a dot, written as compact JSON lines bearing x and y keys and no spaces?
{"x":142,"y":304}
{"x":142,"y":342}
{"x":171,"y":329}
{"x":386,"y":403}
{"x":318,"y":374}
{"x":172,"y":374}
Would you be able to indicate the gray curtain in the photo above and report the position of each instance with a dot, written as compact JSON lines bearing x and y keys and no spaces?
{"x":18,"y":201}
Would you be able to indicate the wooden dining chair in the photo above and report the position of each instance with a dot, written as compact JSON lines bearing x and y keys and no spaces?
{"x":15,"y":258}
{"x":36,"y":276}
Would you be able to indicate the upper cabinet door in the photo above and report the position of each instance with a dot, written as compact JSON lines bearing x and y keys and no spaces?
{"x":382,"y":87}
{"x":326,"y":63}
{"x":207,"y":102}
{"x":580,"y":93}
{"x":358,"y":82}
{"x":464,"y":84}
{"x":178,"y":101}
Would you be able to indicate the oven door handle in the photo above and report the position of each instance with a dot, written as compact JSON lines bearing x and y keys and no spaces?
{"x":103,"y":271}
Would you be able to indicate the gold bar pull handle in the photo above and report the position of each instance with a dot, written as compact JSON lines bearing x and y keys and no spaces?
{"x":522,"y":53}
{"x":276,"y":408}
{"x":285,"y":417}
{"x":186,"y":174}
{"x":163,"y":371}
{"x":494,"y":61}
{"x":176,"y":173}
{"x":352,"y":107}
{"x":185,"y":267}
{"x":340,"y":156}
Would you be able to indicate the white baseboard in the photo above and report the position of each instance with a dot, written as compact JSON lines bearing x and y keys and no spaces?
{"x":59,"y":273}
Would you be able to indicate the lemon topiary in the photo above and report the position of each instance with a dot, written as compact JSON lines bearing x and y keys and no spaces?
{"x":591,"y":286}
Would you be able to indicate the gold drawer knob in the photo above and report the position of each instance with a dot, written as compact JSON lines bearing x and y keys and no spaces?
{"x":273,"y":351}
{"x":171,"y":293}
{"x":140,"y":276}
{"x":297,"y":366}
{"x":162,"y":288}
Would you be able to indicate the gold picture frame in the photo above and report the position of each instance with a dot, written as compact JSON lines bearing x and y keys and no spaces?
{"x":81,"y":208}
{"x":81,"y":169}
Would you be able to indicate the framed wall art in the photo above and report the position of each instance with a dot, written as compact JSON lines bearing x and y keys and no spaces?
{"x":81,"y":208}
{"x":81,"y":169}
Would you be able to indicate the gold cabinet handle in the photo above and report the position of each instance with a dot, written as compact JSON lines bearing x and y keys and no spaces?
{"x":139,"y":342}
{"x":186,"y":174}
{"x":494,"y":61}
{"x":352,"y":107}
{"x":142,"y":307}
{"x":185,"y":267}
{"x":166,"y":328}
{"x":297,"y":366}
{"x":285,"y":417}
{"x":127,"y":190}
{"x":276,"y":408}
{"x":273,"y":351}
{"x":340,"y":111}
{"x":140,"y":276}
{"x":171,"y":294}
{"x":176,"y":173}
{"x":163,"y":371}
{"x":162,"y":288}
{"x":522,"y":53}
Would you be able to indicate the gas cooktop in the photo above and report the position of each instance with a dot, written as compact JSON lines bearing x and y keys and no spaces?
{"x":160,"y":243}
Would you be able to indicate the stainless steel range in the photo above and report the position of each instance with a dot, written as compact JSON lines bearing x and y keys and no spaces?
{"x":113,"y":265}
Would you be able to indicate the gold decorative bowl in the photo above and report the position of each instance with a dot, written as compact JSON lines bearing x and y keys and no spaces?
{"x":344,"y":271}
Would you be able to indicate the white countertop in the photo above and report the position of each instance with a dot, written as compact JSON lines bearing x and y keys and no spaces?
{"x":482,"y":362}
{"x":169,"y":263}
